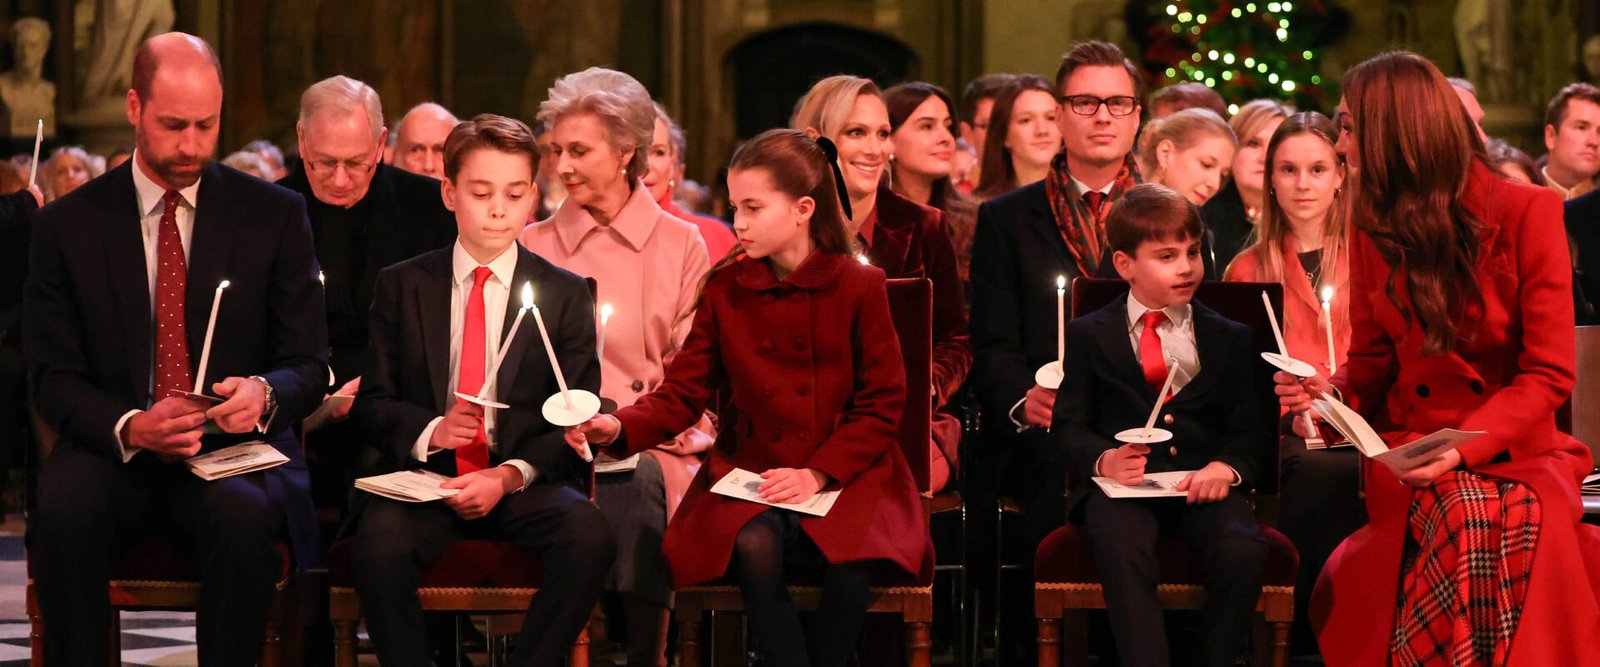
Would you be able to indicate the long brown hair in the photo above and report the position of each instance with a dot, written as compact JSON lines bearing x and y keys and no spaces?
{"x":799,"y":167}
{"x":996,"y":174}
{"x":1272,"y":232}
{"x":1417,"y":148}
{"x":904,"y":99}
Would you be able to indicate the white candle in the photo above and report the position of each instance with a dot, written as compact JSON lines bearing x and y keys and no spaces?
{"x":1272,"y":316}
{"x":555,"y":365}
{"x":205,"y":350}
{"x":1161,"y":399}
{"x":600,"y":345}
{"x":1061,"y":321}
{"x":1327,"y":324}
{"x":505,"y":345}
{"x":38,"y":140}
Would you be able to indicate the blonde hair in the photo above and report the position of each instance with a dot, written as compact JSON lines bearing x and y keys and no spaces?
{"x":827,"y":106}
{"x":344,"y":94}
{"x":1183,"y":129}
{"x":47,"y":171}
{"x":620,"y":102}
{"x":1255,"y":114}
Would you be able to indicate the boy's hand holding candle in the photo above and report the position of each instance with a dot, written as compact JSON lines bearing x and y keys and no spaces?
{"x":1124,"y":465}
{"x":459,"y":427}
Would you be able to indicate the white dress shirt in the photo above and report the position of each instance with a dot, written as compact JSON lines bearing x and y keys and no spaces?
{"x":496,"y":292}
{"x":149,"y":196}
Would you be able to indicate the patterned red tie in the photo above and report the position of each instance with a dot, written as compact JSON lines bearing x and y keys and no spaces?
{"x":1094,"y":199}
{"x":475,"y":456}
{"x":1150,"y":355}
{"x":172,"y":279}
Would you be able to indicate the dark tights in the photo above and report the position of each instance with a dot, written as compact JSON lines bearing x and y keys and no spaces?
{"x":763,"y":546}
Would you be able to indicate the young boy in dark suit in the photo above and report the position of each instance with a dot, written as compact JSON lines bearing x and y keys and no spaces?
{"x":437,"y":321}
{"x":1117,"y":359}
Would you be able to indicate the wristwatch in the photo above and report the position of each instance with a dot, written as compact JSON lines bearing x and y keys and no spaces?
{"x":270,"y":403}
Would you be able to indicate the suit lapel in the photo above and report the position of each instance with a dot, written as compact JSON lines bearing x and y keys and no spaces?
{"x":1112,"y":330}
{"x":433,"y":304}
{"x":506,"y":377}
{"x":384,"y":235}
{"x":1210,"y":340}
{"x":210,"y":254}
{"x":130,"y":279}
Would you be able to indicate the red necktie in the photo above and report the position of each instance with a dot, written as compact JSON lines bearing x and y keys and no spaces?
{"x":1094,"y":199}
{"x":476,"y":455}
{"x":1150,"y":355}
{"x":172,"y":279}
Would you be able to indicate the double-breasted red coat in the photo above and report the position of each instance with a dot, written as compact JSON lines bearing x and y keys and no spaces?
{"x":1512,"y":367}
{"x":809,"y":373}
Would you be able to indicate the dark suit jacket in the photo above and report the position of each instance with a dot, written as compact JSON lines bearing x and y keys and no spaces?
{"x":17,"y":211}
{"x":1583,"y":228}
{"x":89,"y":322}
{"x":1225,"y":216}
{"x":1216,"y":417}
{"x":407,"y":377}
{"x":405,"y":217}
{"x":1016,"y":255}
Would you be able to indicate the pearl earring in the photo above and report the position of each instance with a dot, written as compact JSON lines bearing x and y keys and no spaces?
{"x":672,"y":183}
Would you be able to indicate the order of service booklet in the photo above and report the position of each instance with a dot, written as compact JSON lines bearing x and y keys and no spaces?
{"x":1361,"y":434}
{"x":742,"y":484}
{"x":409,"y":486}
{"x":236,"y":460}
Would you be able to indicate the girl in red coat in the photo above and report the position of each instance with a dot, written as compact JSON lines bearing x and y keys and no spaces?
{"x":793,"y":339}
{"x":1461,"y":317}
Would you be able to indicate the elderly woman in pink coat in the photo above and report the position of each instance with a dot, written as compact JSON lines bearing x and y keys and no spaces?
{"x":649,"y":267}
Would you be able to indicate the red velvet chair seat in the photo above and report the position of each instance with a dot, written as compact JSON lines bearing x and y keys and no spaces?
{"x":464,"y":564}
{"x":1066,"y":556}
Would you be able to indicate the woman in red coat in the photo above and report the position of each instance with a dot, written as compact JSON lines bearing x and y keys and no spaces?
{"x":1482,"y":545}
{"x":902,"y":237}
{"x":795,"y":336}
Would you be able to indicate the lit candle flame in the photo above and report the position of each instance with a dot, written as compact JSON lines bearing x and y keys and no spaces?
{"x":605,"y":313}
{"x":223,"y":285}
{"x":1327,"y":295}
{"x":1061,"y":282}
{"x":322,"y":278}
{"x":527,"y":295}
{"x":863,"y":259}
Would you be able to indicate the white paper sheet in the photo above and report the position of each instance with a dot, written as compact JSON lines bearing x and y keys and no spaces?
{"x":742,"y":484}
{"x":1156,"y":485}
{"x":410,"y":486}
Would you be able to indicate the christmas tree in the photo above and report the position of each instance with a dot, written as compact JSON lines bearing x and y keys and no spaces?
{"x":1245,"y":49}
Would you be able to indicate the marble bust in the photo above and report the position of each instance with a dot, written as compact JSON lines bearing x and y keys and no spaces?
{"x":24,"y":94}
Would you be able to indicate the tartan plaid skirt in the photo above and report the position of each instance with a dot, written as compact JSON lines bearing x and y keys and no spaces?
{"x":1469,"y":552}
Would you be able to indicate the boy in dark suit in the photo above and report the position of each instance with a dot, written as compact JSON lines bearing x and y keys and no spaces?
{"x":1117,"y":359}
{"x":437,"y":321}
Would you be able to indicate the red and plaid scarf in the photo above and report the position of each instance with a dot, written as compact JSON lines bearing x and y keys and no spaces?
{"x":1465,"y":576}
{"x":1082,"y":229}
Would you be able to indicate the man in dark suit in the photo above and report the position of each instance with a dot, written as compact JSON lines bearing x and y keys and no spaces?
{"x":1583,"y":232}
{"x":17,"y":213}
{"x":1118,"y":359}
{"x":118,"y":298}
{"x":437,"y":320}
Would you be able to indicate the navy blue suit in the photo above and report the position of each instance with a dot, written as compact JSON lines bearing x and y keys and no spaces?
{"x":88,"y":340}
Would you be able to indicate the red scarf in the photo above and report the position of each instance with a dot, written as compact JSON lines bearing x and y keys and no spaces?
{"x":1082,"y":229}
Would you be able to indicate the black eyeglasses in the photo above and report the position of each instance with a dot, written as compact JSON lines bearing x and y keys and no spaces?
{"x":1089,"y":105}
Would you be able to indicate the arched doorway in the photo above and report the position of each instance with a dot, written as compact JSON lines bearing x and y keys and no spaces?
{"x":771,"y":70}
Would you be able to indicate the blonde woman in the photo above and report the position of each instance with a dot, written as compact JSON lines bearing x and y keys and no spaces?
{"x":1189,"y":151}
{"x":904,"y":238}
{"x":1233,"y":212}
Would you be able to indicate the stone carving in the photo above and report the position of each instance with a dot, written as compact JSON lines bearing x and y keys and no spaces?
{"x":24,"y":94}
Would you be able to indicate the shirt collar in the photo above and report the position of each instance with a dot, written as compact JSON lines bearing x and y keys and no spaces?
{"x":1084,"y":189}
{"x":1178,"y":315}
{"x":504,"y":266}
{"x":150,"y":193}
{"x":634,"y":223}
{"x":1582,"y":188}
